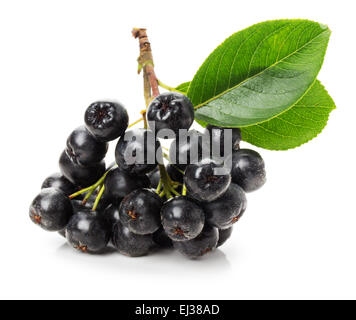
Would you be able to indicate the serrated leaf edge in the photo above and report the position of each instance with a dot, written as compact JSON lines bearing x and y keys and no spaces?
{"x":333,"y":107}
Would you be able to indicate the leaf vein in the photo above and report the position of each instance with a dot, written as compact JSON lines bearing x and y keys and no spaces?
{"x":259,"y":44}
{"x":237,"y":51}
{"x":254,"y":76}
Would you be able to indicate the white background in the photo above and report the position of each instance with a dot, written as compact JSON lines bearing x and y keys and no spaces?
{"x":297,"y":239}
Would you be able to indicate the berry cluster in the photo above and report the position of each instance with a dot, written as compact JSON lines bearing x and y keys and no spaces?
{"x":140,"y":203}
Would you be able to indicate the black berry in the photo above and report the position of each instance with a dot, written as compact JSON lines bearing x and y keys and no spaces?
{"x":119,"y":183}
{"x":226,"y":210}
{"x":248,"y":169}
{"x":87,"y":231}
{"x":174,"y":173}
{"x":129,"y":243}
{"x":140,"y":211}
{"x":59,"y":182}
{"x":78,"y":206}
{"x":172,"y":111}
{"x":138,"y":152}
{"x":161,"y":238}
{"x":111,"y":214}
{"x":188,"y":148}
{"x":154,"y":177}
{"x":201,"y":245}
{"x":206,"y":180}
{"x":106,"y":120}
{"x":224,"y":235}
{"x":217,"y":140}
{"x":182,"y":218}
{"x":104,"y":202}
{"x":51,"y":209}
{"x":80,"y":175}
{"x":84,"y":149}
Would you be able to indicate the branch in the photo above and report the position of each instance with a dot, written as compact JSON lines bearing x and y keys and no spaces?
{"x":145,"y":63}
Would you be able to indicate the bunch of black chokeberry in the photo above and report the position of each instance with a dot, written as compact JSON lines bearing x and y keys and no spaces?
{"x":140,"y":203}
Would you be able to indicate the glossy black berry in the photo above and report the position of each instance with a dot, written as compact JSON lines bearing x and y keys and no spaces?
{"x":84,"y":149}
{"x":206,"y":180}
{"x":174,"y":173}
{"x":51,"y":209}
{"x":111,"y":214}
{"x":172,"y":111}
{"x":119,"y":183}
{"x":161,"y":238}
{"x":217,"y":137}
{"x":138,"y":151}
{"x":201,"y":245}
{"x":87,"y":231}
{"x":154,"y":177}
{"x":140,"y":211}
{"x":104,"y":202}
{"x":243,"y":209}
{"x":59,"y":182}
{"x":226,"y":210}
{"x":187,"y":149}
{"x":182,"y":218}
{"x":224,"y":235}
{"x":129,"y":243}
{"x":78,"y":206}
{"x":106,"y":120}
{"x":80,"y":175}
{"x":248,"y":169}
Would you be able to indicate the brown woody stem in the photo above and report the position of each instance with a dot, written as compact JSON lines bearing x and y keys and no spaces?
{"x":151,"y":90}
{"x":145,"y":63}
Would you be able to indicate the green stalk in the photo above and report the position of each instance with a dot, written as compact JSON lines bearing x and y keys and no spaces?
{"x":88,"y":195}
{"x":161,"y":84}
{"x":184,"y":191}
{"x":90,"y":190}
{"x":166,"y":181}
{"x":102,"y":189}
{"x":159,"y":187}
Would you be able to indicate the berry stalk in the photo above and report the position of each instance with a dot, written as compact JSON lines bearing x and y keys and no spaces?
{"x":164,"y":86}
{"x":151,"y":90}
{"x":102,"y":189}
{"x":90,"y":190}
{"x":165,"y":181}
{"x":145,"y":63}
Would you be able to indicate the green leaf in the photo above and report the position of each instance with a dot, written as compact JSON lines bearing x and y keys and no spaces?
{"x":183,"y":87}
{"x":296,"y":126}
{"x":259,"y":72}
